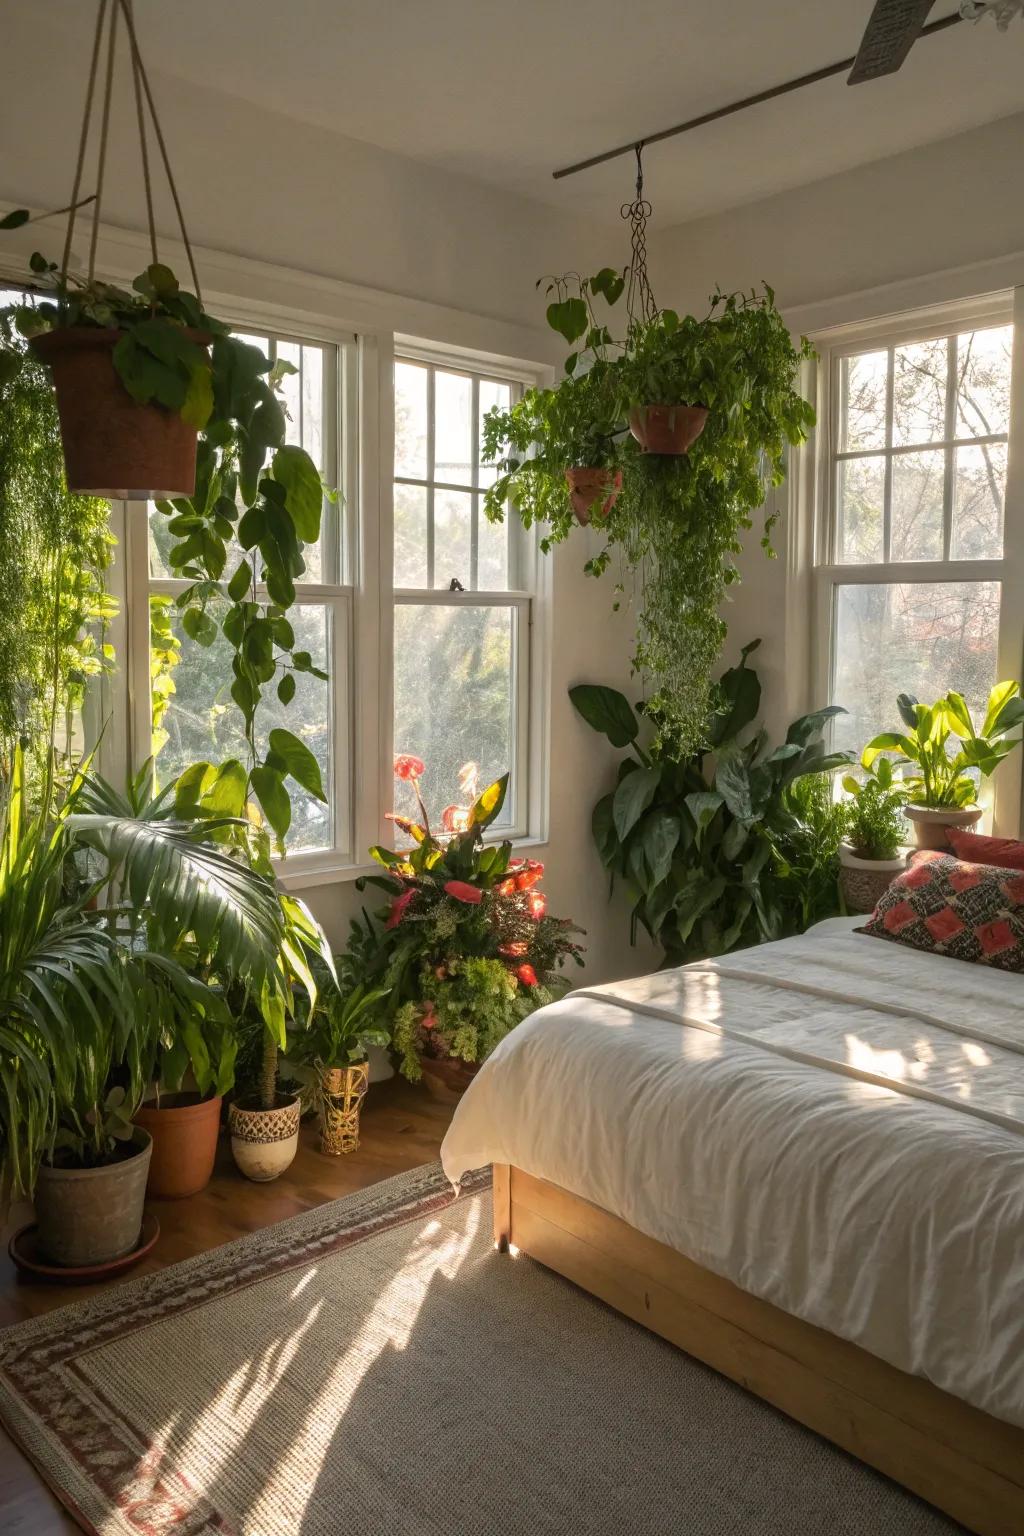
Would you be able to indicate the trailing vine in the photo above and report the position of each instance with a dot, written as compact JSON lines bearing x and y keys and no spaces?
{"x":677,"y":519}
{"x":54,"y":550}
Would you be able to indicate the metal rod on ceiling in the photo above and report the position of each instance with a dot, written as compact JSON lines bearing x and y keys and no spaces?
{"x":738,"y":106}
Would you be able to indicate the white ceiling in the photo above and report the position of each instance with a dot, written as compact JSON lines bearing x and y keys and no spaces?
{"x":505,"y":92}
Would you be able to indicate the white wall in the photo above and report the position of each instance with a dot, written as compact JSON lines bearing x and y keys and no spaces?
{"x":390,"y":245}
{"x":931,"y":225}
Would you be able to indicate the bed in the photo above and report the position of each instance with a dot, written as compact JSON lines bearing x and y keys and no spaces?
{"x":804,"y":1164}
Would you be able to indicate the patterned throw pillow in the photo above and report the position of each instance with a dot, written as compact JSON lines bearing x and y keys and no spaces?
{"x":967,"y":911}
{"x":1005,"y":852}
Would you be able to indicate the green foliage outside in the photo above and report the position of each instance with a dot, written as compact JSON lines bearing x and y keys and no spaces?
{"x":719,"y":853}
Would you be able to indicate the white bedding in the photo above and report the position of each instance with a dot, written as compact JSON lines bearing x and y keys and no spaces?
{"x":834,"y":1123}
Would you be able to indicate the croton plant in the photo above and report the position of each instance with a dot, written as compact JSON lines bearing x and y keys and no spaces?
{"x":465,"y":948}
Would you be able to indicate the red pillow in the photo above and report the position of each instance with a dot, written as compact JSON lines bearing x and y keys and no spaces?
{"x":1003,"y":852}
{"x":945,"y":906}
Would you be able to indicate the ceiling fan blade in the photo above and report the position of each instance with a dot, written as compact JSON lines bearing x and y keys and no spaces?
{"x":892,"y":31}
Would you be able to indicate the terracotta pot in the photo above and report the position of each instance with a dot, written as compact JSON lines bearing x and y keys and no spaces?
{"x":264,"y":1141}
{"x":587,"y":487}
{"x":114,"y":447}
{"x":344,"y":1089}
{"x":667,"y":428}
{"x":931,"y":822}
{"x":864,"y":882}
{"x":446,"y":1077}
{"x":92,"y":1215}
{"x":184,"y":1128}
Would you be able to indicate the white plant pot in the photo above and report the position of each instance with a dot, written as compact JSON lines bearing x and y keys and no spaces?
{"x":931,"y":822}
{"x":264,"y":1141}
{"x":863,"y":882}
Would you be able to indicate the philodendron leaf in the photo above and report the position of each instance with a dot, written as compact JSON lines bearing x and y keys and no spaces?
{"x":607,"y":710}
{"x":659,"y":837}
{"x":569,"y":318}
{"x":299,"y":761}
{"x":199,"y":626}
{"x":15,"y":219}
{"x":295,"y":471}
{"x":632,"y":798}
{"x":489,"y":805}
{"x":268,"y":787}
{"x":703,"y":806}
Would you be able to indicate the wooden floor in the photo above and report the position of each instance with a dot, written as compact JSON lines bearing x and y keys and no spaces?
{"x":402,"y":1127}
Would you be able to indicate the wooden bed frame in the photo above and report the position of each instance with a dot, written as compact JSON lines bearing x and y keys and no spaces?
{"x":962,"y":1460}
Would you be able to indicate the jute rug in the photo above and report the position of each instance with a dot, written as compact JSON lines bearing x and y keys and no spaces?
{"x":375,"y":1367}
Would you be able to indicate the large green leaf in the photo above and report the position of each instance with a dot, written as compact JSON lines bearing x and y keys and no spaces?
{"x":632,"y":798}
{"x":607,"y":710}
{"x":268,"y":787}
{"x":658,"y":838}
{"x":294,"y":469}
{"x":299,"y":761}
{"x":489,"y":805}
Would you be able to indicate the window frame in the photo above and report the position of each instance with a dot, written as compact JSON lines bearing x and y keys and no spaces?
{"x":527,"y":596}
{"x":1002,"y":793}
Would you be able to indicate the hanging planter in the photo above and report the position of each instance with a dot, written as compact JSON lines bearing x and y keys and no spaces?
{"x":670,"y":429}
{"x":113,"y":446}
{"x":131,"y":369}
{"x":593,"y":493}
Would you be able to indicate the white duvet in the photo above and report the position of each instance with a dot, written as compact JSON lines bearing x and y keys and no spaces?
{"x":835,"y":1123}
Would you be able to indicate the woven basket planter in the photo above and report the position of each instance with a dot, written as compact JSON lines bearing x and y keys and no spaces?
{"x":344,"y":1089}
{"x":864,"y":882}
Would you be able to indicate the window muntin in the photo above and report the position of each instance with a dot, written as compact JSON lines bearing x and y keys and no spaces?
{"x":463,"y":613}
{"x":911,"y":574}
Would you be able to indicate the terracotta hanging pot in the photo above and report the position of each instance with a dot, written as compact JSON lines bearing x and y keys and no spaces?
{"x":184,"y":1128}
{"x":670,"y":429}
{"x":588,"y":487}
{"x":114,"y":447}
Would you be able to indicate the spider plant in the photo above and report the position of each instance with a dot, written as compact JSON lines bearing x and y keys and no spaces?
{"x":91,"y":974}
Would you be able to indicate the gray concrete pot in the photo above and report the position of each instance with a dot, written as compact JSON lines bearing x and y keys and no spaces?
{"x":89,"y":1216}
{"x":864,"y":882}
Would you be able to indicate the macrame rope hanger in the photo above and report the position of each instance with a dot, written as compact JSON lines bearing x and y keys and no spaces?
{"x":107,"y":15}
{"x":640,"y":304}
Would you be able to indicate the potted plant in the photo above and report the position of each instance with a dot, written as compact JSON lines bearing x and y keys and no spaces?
{"x":734,"y":845}
{"x":870,"y":856}
{"x":328,"y":1056}
{"x":88,"y":990}
{"x":465,"y":948}
{"x":944,"y":752}
{"x":662,"y":376}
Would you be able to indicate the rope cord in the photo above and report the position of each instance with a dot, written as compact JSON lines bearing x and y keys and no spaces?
{"x":83,"y":137}
{"x":108,"y":90}
{"x":140,"y":115}
{"x":640,"y":303}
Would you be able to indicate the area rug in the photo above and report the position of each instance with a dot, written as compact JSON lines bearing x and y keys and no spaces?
{"x":375,"y":1367}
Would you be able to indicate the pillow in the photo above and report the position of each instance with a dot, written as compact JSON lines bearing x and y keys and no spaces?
{"x":1001,"y":851}
{"x":949,"y":907}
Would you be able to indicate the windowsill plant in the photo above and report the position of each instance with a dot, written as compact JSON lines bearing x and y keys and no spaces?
{"x":945,"y":756}
{"x":871,"y":853}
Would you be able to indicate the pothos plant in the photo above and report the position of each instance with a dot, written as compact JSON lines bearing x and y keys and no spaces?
{"x":678,"y":520}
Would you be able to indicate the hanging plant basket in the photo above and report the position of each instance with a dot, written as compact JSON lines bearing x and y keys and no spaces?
{"x":114,"y":447}
{"x":593,"y":493}
{"x":668,"y":429}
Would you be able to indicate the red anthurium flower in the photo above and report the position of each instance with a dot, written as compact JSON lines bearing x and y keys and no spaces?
{"x":529,"y":874}
{"x":406,"y":824}
{"x":408,"y":767}
{"x":513,"y":951}
{"x":507,"y":887}
{"x":428,"y":1018}
{"x":398,"y":907}
{"x":470,"y":894}
{"x":527,"y":975}
{"x":455,"y":818}
{"x":537,"y":905}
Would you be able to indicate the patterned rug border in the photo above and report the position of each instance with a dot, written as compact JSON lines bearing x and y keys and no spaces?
{"x":34,"y":1407}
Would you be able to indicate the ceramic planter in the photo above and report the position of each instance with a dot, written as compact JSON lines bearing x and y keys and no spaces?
{"x":90,"y":1216}
{"x":446,"y":1077}
{"x":114,"y":447}
{"x":931,"y":822}
{"x":670,"y":429}
{"x":864,"y":881}
{"x":344,"y":1089}
{"x":184,"y":1128}
{"x":593,"y":493}
{"x":264,"y":1141}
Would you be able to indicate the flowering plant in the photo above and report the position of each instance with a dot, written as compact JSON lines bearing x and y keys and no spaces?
{"x":465,"y":948}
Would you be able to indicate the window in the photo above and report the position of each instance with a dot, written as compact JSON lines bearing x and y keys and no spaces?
{"x":463,"y":603}
{"x":186,"y":709}
{"x":911,"y":567}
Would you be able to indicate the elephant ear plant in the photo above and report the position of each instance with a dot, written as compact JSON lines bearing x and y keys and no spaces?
{"x":719,"y":853}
